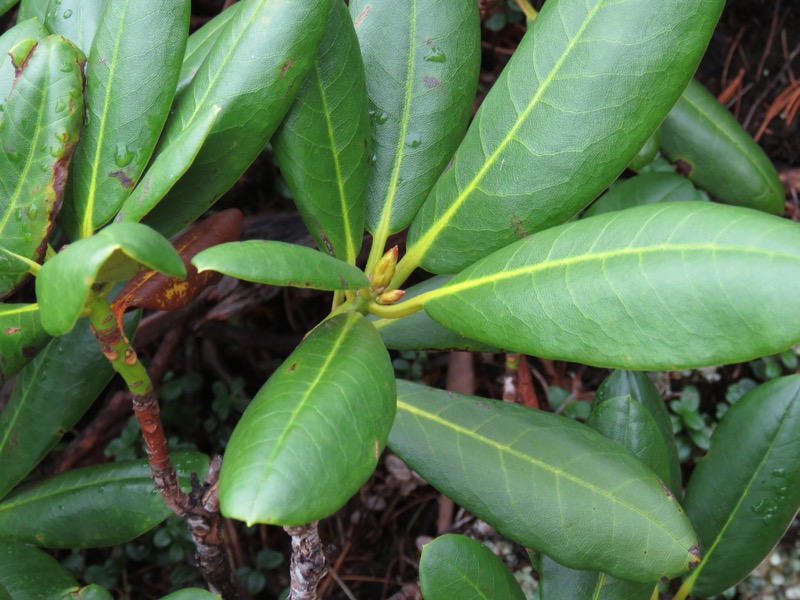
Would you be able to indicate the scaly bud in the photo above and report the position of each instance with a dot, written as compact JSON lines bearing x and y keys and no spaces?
{"x":383,"y":272}
{"x":390,"y":297}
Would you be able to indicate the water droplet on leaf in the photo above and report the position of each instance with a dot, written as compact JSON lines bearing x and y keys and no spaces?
{"x":413,"y":140}
{"x":435,"y":55}
{"x":759,"y":508}
{"x":123,"y":156}
{"x":67,"y":14}
{"x":778,"y":472}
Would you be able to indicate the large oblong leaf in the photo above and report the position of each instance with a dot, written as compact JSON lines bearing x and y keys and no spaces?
{"x":557,"y":582}
{"x":455,"y":567}
{"x":313,"y":434}
{"x":76,"y":20}
{"x":27,"y":573}
{"x":546,"y":482}
{"x":588,"y":84}
{"x":640,"y":388}
{"x":647,"y":188}
{"x":422,"y":64}
{"x":32,"y":8}
{"x":21,"y":337}
{"x":657,"y":287}
{"x":114,"y":254}
{"x":744,"y":494}
{"x":30,"y":29}
{"x":323,"y":143}
{"x":130,"y":78}
{"x":72,"y":369}
{"x":102,"y":505}
{"x":39,"y":128}
{"x":280,"y":263}
{"x":253,"y":73}
{"x":718,"y":153}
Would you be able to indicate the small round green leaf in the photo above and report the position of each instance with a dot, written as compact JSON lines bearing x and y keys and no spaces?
{"x":279,"y":263}
{"x":546,"y":482}
{"x":744,"y":494}
{"x":103,"y":505}
{"x":719,"y":154}
{"x":455,"y":567}
{"x":113,"y":254}
{"x":313,"y":434}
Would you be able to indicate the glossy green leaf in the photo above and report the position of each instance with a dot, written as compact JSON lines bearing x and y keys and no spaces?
{"x":629,"y":424}
{"x":655,"y":287}
{"x":102,"y":505}
{"x":27,"y":573}
{"x":279,"y":263}
{"x":76,"y":20}
{"x":253,"y":73}
{"x":648,"y":188}
{"x":113,"y":254}
{"x":557,"y":582}
{"x":200,"y":44}
{"x":39,"y":128}
{"x":132,"y":69}
{"x":168,"y":168}
{"x":91,"y":592}
{"x":29,"y":9}
{"x":21,"y":337}
{"x":323,"y":143}
{"x":544,"y":481}
{"x":70,"y":369}
{"x":719,"y":154}
{"x":192,"y":594}
{"x":744,"y":494}
{"x":586,"y":87}
{"x":647,"y":153}
{"x":422,"y":65}
{"x":455,"y":567}
{"x":313,"y":434}
{"x":419,"y":331}
{"x":640,"y":388}
{"x":30,"y":29}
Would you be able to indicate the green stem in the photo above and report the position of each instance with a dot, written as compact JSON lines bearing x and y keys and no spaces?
{"x":686,"y":587}
{"x":530,"y":12}
{"x":401,"y":309}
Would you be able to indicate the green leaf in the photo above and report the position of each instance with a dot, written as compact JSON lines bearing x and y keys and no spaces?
{"x":422,"y":65}
{"x":647,"y":153}
{"x":313,"y":434}
{"x":76,"y":20}
{"x":322,"y":144}
{"x":6,"y":5}
{"x":30,"y":29}
{"x":457,"y":567}
{"x":132,"y":69}
{"x":113,"y":254}
{"x":586,"y":87}
{"x":720,"y":155}
{"x":192,"y":593}
{"x":168,"y":168}
{"x":279,"y":263}
{"x":32,"y":8}
{"x":253,"y":73}
{"x":22,"y":337}
{"x":39,"y":128}
{"x":640,"y":388}
{"x":557,"y":582}
{"x":27,"y":573}
{"x":419,"y":331}
{"x":655,"y":287}
{"x":71,"y":369}
{"x":200,"y":44}
{"x":102,"y":505}
{"x":91,"y":592}
{"x":744,"y":494}
{"x":544,"y":481}
{"x":647,"y":188}
{"x":629,"y":424}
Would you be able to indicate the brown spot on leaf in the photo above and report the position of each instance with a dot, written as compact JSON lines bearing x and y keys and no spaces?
{"x":517,"y":226}
{"x":363,"y":14}
{"x":666,"y":489}
{"x":123,"y":178}
{"x":343,"y":281}
{"x":328,"y":244}
{"x":29,"y":351}
{"x":285,"y":68}
{"x":683,"y":167}
{"x":430,"y":81}
{"x":293,"y":366}
{"x":13,"y":330}
{"x":694,"y":551}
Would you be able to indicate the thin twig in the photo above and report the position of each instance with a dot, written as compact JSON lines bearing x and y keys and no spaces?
{"x":309,"y":564}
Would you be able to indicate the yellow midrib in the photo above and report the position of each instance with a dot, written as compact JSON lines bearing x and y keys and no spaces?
{"x":20,"y":310}
{"x":502,"y":448}
{"x":421,"y":246}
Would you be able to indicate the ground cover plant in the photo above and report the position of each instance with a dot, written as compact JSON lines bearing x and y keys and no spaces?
{"x":119,"y":130}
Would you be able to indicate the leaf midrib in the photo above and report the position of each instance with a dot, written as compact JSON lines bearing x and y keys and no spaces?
{"x":503,"y":448}
{"x":421,"y":246}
